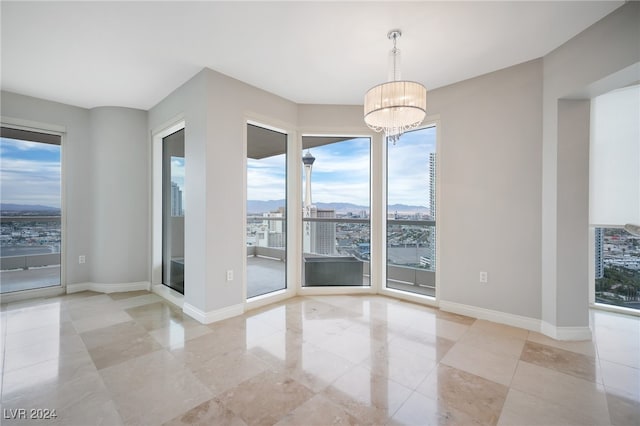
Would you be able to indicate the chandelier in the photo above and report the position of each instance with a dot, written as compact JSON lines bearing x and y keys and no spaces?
{"x":396,"y":106}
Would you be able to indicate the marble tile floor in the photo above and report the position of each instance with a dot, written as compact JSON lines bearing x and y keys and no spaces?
{"x":133,"y":359}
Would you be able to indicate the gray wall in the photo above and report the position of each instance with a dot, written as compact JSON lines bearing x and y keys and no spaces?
{"x":490,"y":160}
{"x":215,"y":107}
{"x":190,"y":102}
{"x":230,"y":102}
{"x":120,"y":197}
{"x":342,"y":118}
{"x":106,"y":178}
{"x":573,"y":209}
{"x":489,"y":212}
{"x":578,"y":66}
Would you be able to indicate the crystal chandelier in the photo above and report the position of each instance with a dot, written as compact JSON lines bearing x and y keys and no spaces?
{"x":397,"y":105}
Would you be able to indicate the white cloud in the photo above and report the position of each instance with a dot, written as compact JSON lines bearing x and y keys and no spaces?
{"x":27,"y":145}
{"x":329,"y":192}
{"x":30,"y":182}
{"x":266,"y":178}
{"x":408,"y":175}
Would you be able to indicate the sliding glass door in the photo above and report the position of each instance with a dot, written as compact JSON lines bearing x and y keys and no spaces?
{"x":266,"y":221}
{"x":173,"y":211}
{"x":30,"y":210}
{"x":411,"y":213}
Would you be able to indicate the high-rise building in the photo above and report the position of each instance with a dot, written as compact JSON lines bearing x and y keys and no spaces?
{"x":325,"y":232}
{"x":432,"y":209}
{"x":176,"y":200}
{"x":432,"y":184}
{"x":599,"y":249}
{"x":272,"y":232}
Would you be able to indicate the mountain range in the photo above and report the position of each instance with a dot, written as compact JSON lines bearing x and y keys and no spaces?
{"x":8,"y":207}
{"x":253,"y":206}
{"x":259,"y":206}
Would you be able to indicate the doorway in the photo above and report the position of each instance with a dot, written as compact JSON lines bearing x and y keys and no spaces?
{"x":266,"y":218}
{"x":31,"y":216}
{"x":173,"y":211}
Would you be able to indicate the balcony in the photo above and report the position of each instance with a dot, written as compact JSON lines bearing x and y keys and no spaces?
{"x":409,"y":268}
{"x":30,"y":253}
{"x":411,"y":256}
{"x":29,"y":272}
{"x":266,"y":270}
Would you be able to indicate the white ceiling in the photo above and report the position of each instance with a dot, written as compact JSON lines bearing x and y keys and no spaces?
{"x":134,"y":54}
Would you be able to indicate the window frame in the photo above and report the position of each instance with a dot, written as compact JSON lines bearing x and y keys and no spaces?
{"x":59,"y":132}
{"x":433,"y":121}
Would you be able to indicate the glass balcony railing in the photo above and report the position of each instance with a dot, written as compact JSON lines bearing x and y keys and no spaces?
{"x":336,"y":252}
{"x":411,"y":256}
{"x":30,"y":252}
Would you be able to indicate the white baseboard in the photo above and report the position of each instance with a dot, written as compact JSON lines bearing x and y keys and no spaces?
{"x":527,"y":323}
{"x":75,"y":288}
{"x":212,"y":316}
{"x":513,"y":320}
{"x":109,"y":288}
{"x":168,"y":294}
{"x":565,"y":333}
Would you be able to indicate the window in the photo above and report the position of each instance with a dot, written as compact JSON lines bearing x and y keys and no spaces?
{"x":266,"y":211}
{"x":173,"y":211}
{"x":411,"y":213}
{"x":614,"y":195}
{"x":617,"y":267}
{"x":30,"y":188}
{"x":336,"y":211}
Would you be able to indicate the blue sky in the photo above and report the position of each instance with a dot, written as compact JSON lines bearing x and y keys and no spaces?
{"x":29,"y":172}
{"x":177,"y":171}
{"x":408,"y":167}
{"x":341,"y":172}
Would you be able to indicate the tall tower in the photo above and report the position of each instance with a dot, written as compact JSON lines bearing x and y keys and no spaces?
{"x":176,"y":200}
{"x":307,"y":160}
{"x":432,"y":184}
{"x":432,"y":207}
{"x":309,"y":237}
{"x":599,"y":249}
{"x":318,"y":238}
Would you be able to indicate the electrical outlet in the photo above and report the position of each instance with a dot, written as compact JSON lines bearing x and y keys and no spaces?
{"x":82,"y":259}
{"x":484,"y":277}
{"x":229,"y":275}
